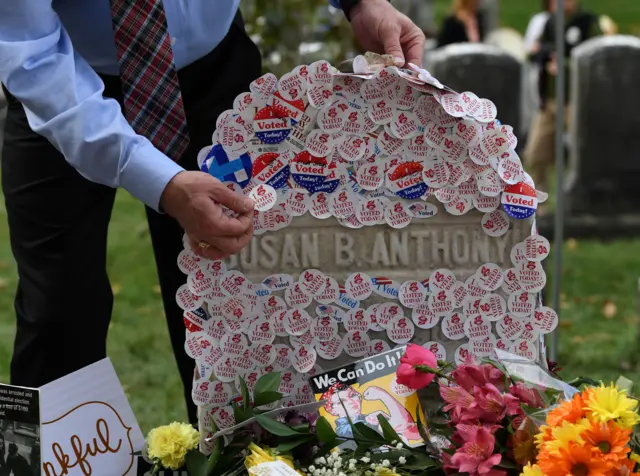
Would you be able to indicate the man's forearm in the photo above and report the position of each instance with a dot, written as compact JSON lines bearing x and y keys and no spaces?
{"x":62,"y":97}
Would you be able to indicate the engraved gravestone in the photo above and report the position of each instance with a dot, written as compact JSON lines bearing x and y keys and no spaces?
{"x":604,"y":138}
{"x":388,"y":209}
{"x":486,"y":70}
{"x":443,"y":241}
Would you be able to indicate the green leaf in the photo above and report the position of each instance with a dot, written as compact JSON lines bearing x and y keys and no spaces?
{"x":265,"y":398}
{"x":421,"y":429}
{"x":419,"y":461}
{"x":294,"y":443}
{"x":324,"y":430}
{"x":196,"y":463}
{"x":244,"y":390}
{"x":325,"y":448}
{"x":507,"y":464}
{"x":360,"y":451}
{"x":387,"y":430}
{"x":214,"y":457}
{"x":391,"y":455}
{"x":241,"y":414}
{"x":267,"y":383}
{"x":369,"y":433}
{"x":275,"y":427}
{"x":624,"y":384}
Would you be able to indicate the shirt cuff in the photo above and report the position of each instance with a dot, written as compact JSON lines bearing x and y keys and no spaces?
{"x":147,"y":173}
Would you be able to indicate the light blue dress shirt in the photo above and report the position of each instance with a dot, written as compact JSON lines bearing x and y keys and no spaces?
{"x":49,"y":50}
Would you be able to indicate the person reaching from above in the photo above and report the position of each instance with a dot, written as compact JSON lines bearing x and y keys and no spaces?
{"x":105,"y":94}
{"x":464,"y":25}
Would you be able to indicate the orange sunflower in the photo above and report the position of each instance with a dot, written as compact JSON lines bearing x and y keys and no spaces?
{"x":607,"y":441}
{"x":576,"y":460}
{"x":570,"y":411}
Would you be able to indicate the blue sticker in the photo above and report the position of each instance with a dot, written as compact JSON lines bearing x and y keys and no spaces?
{"x":519,"y":201}
{"x":235,"y":170}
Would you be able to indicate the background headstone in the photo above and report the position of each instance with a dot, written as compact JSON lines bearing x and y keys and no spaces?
{"x":605,"y":124}
{"x":491,"y":14}
{"x":422,"y":12}
{"x":489,"y":72}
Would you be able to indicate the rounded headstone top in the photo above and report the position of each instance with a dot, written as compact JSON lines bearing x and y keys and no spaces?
{"x":466,"y":49}
{"x":599,"y":43}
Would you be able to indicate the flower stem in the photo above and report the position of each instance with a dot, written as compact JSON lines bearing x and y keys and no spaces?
{"x":425,"y":369}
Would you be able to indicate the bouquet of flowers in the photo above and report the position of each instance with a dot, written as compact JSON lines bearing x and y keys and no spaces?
{"x":496,"y":418}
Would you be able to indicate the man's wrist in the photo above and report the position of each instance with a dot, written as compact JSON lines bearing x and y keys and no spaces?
{"x":347,"y":6}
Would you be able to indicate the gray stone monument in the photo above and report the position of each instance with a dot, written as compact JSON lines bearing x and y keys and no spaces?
{"x":422,"y":12}
{"x":491,"y":15}
{"x":486,"y":70}
{"x":605,"y":124}
{"x":443,"y":241}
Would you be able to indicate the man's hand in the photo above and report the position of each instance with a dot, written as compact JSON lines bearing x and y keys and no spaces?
{"x":380,"y":28}
{"x":195,"y":199}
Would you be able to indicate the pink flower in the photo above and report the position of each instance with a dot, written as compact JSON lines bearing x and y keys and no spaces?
{"x":476,"y":455}
{"x":469,"y":376}
{"x":491,"y":405}
{"x":412,"y":371}
{"x":528,"y":396}
{"x":458,"y":399}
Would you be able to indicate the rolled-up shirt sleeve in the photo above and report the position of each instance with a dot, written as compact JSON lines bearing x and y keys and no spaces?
{"x":62,"y":98}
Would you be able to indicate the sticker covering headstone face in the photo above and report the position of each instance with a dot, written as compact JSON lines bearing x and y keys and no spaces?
{"x":380,"y":151}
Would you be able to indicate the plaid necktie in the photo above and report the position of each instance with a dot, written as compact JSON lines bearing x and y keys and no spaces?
{"x":152,"y":99}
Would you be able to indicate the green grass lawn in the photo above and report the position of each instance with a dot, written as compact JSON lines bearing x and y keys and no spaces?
{"x":599,"y":283}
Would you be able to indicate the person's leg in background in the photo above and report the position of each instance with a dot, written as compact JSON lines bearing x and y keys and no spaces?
{"x":209,"y":87}
{"x":540,"y":150}
{"x":58,"y":224}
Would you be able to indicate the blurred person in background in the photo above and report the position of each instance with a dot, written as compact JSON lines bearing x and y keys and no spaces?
{"x":580,"y":25}
{"x":536,"y":26}
{"x":534,"y":31}
{"x":464,"y":25}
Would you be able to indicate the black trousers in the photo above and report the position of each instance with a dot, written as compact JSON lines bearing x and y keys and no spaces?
{"x":58,"y":225}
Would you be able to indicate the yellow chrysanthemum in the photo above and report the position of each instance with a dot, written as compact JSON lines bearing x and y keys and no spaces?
{"x":170,"y":443}
{"x":610,"y":404}
{"x":564,"y":434}
{"x":532,"y":470}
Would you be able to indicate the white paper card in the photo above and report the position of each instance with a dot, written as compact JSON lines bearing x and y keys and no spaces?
{"x":88,"y":426}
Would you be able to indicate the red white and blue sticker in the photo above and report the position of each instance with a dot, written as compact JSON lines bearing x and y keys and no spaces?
{"x":272,"y":125}
{"x":218,"y":165}
{"x":272,"y":169}
{"x":519,"y":200}
{"x":331,"y":182}
{"x":405,"y":180}
{"x":284,"y":108}
{"x":309,"y":171}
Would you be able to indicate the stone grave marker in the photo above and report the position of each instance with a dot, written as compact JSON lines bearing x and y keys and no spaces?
{"x":443,"y":241}
{"x":486,"y":70}
{"x":389,"y":209}
{"x":604,"y":125}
